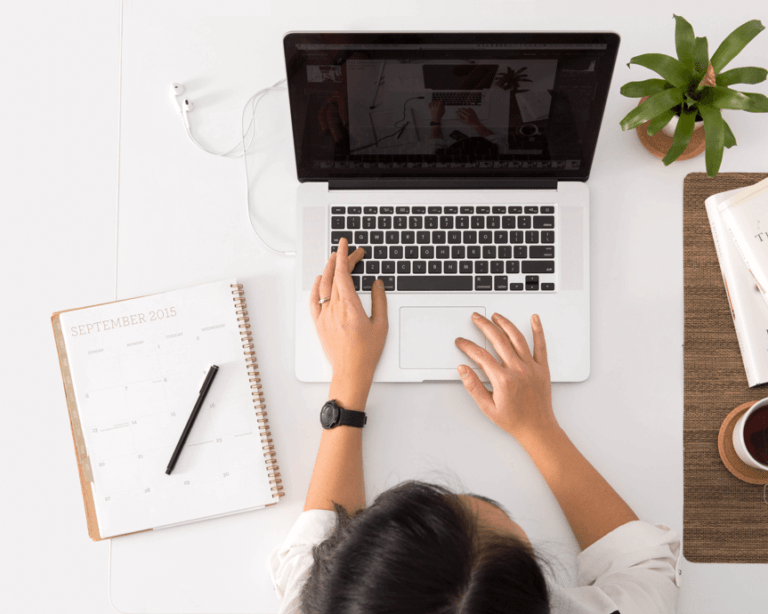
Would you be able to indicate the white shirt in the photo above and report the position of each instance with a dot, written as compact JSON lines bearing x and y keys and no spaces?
{"x":635,"y":569}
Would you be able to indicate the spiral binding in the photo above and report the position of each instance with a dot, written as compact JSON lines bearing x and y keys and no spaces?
{"x":273,"y":470}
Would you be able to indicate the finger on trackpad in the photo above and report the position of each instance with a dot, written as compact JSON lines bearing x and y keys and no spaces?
{"x":428,"y":334}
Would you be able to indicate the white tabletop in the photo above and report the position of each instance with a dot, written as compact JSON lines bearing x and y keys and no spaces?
{"x":182,"y":222}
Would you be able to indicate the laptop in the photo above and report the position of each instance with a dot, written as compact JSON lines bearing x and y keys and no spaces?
{"x":459,"y":162}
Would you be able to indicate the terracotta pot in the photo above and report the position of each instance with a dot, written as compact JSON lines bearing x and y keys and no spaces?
{"x":659,"y":143}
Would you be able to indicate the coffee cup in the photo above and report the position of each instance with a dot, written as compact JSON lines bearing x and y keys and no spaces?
{"x":750,"y":436}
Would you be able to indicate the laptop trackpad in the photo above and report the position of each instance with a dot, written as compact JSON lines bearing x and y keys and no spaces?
{"x":427,"y":336}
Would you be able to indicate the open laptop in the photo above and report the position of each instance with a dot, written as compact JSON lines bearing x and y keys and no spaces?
{"x":475,"y":206}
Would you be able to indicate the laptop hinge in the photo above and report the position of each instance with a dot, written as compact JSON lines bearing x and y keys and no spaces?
{"x":444,"y":183}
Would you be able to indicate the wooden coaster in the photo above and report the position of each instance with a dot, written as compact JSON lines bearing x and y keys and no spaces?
{"x":659,"y":143}
{"x":728,"y":454}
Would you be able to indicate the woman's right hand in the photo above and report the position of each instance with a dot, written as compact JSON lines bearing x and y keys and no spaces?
{"x":521,"y":402}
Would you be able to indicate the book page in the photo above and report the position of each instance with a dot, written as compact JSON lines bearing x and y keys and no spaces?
{"x":137,"y":367}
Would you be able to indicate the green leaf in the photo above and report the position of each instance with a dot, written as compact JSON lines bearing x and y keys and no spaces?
{"x":656,"y":104}
{"x":729,"y":140}
{"x":715,"y":137}
{"x":682,"y":136}
{"x":684,"y":42}
{"x":726,"y":98}
{"x":658,"y":122}
{"x":747,"y":74}
{"x":734,"y":43}
{"x":701,"y":57}
{"x":649,"y":87}
{"x":668,"y":67}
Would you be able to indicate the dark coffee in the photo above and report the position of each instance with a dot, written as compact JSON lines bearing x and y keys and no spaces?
{"x":756,"y":435}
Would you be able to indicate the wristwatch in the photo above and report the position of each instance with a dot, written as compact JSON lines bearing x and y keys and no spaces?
{"x":332,"y":415}
{"x":433,"y":123}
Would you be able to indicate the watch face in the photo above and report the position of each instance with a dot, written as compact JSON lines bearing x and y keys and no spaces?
{"x":329,"y":415}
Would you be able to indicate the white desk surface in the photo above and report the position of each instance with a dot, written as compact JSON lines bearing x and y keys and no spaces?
{"x":182,"y":222}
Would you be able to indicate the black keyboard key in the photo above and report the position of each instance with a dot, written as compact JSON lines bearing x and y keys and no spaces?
{"x":492,"y":221}
{"x":470,"y":236}
{"x":484,"y":282}
{"x":370,"y":210}
{"x":516,"y":236}
{"x":481,"y":266}
{"x":438,"y":236}
{"x":368,"y":283}
{"x":380,"y":252}
{"x":338,"y":210}
{"x":389,"y":282}
{"x":524,"y":221}
{"x":353,"y":222}
{"x":513,"y":267}
{"x":411,"y":251}
{"x":485,"y":236}
{"x":442,"y":251}
{"x":368,"y":251}
{"x":531,"y":282}
{"x":407,"y":236}
{"x":404,"y":267}
{"x":543,"y":251}
{"x":478,"y":221}
{"x":377,"y":236}
{"x":501,"y":236}
{"x":450,"y":266}
{"x":465,"y":266}
{"x":465,"y":210}
{"x":385,"y":222}
{"x":515,"y":210}
{"x":453,"y":210}
{"x":340,"y":234}
{"x":419,"y":210}
{"x":548,"y":287}
{"x":547,"y":236}
{"x":548,"y":209}
{"x":372,"y":267}
{"x":539,"y":266}
{"x":387,"y":210}
{"x":387,"y":267}
{"x":516,"y":287}
{"x":402,"y":210}
{"x":356,"y":282}
{"x":445,"y":283}
{"x":401,"y":222}
{"x":457,"y":252}
{"x":508,"y":221}
{"x":446,"y":222}
{"x":462,"y":222}
{"x":531,"y":209}
{"x":499,"y":209}
{"x":422,"y":237}
{"x":544,"y":221}
{"x":505,"y":251}
{"x":354,"y":210}
{"x":483,"y":209}
{"x":430,"y":222}
{"x":489,"y":252}
{"x":337,"y":222}
{"x":361,"y":236}
{"x":415,"y":222}
{"x":497,"y":266}
{"x":396,"y":252}
{"x":427,"y":252}
{"x":521,"y":252}
{"x":531,"y":236}
{"x":359,"y":268}
{"x":473,"y":251}
{"x":500,"y":282}
{"x":454,"y":236}
{"x":351,"y":249}
{"x":369,"y":222}
{"x":435,"y":267}
{"x":419,"y":266}
{"x":434,"y":210}
{"x":393,"y":236}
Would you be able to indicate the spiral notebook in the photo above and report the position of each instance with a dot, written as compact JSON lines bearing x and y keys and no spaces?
{"x":132,"y":370}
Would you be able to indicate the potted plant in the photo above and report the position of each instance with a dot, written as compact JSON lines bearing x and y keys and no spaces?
{"x":694,"y":87}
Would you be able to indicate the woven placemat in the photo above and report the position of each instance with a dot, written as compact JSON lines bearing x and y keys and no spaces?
{"x":725,"y":520}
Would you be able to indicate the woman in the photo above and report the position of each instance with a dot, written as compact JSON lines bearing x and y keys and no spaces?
{"x":422,"y":549}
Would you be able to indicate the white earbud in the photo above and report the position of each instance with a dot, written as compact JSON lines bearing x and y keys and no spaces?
{"x":176,"y":91}
{"x":186,"y":107}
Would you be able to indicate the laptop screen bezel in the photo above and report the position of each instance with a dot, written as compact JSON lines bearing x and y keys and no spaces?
{"x":473,"y":178}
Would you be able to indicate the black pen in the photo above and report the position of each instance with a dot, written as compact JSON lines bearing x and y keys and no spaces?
{"x":192,"y":417}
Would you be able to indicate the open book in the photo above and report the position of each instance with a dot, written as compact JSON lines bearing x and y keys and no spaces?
{"x":132,"y":371}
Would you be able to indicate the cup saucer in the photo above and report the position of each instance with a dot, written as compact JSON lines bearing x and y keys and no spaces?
{"x":728,"y":454}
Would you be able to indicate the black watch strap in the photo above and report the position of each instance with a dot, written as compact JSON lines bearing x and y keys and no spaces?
{"x":352,"y":418}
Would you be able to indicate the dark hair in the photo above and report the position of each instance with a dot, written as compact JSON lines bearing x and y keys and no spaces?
{"x":417,"y":549}
{"x":470,"y":149}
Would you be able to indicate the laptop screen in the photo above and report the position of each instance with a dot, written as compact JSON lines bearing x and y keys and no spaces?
{"x":447,"y":105}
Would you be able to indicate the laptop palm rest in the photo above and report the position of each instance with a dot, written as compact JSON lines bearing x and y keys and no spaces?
{"x":427,"y":336}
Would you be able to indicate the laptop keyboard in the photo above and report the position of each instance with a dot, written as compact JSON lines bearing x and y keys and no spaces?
{"x":461,"y":248}
{"x":459,"y":99}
